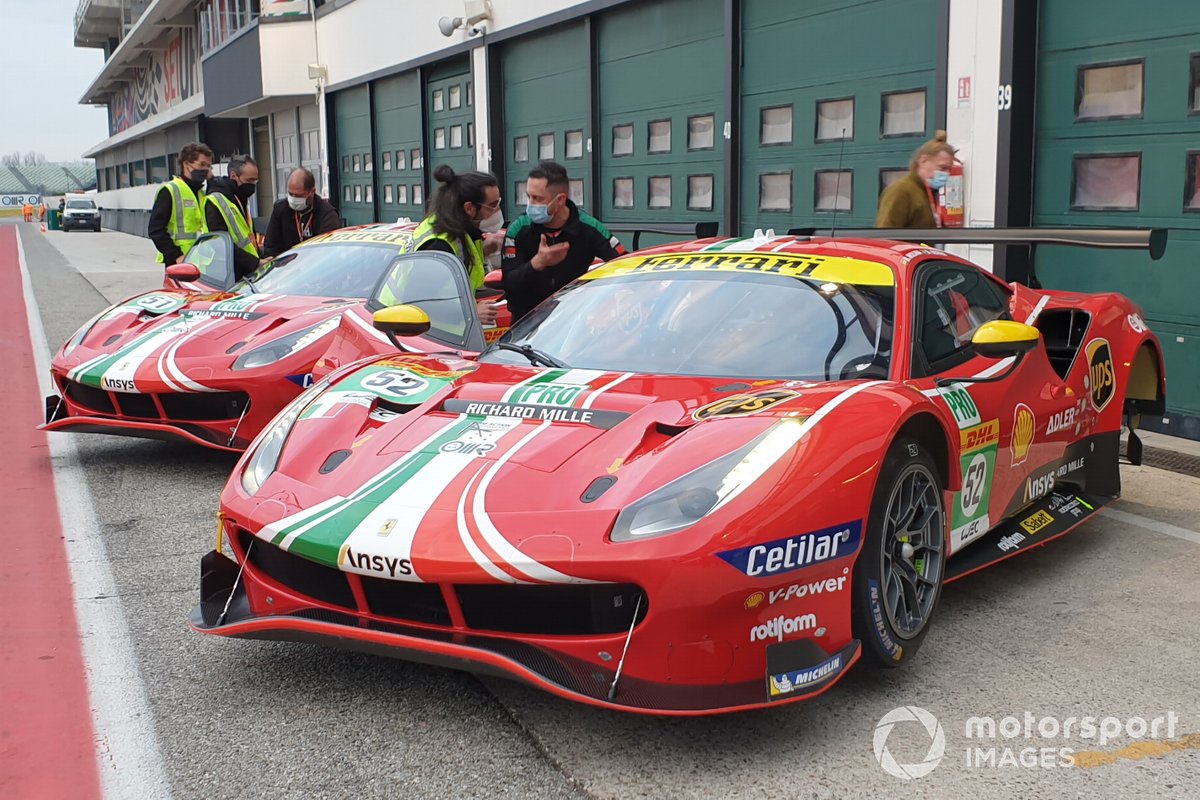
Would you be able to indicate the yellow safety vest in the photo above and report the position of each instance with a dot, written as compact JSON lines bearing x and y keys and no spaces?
{"x":186,"y":223}
{"x":473,"y":259}
{"x":236,"y":223}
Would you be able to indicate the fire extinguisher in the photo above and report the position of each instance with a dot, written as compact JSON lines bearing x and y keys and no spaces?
{"x":950,"y":206}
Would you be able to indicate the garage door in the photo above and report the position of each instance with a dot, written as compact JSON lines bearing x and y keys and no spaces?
{"x":355,"y":161}
{"x":662,"y":81}
{"x":835,"y":99}
{"x":1118,"y":143}
{"x":398,"y":147}
{"x":450,"y":125}
{"x":545,"y":79}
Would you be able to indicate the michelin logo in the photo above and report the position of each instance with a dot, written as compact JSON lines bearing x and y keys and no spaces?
{"x":795,"y":552}
{"x":789,"y":682}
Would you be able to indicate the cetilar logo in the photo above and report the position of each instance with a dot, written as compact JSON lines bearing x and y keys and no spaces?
{"x":937,"y":742}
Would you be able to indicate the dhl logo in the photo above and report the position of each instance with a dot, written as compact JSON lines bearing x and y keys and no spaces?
{"x":979,"y":436}
{"x":1024,"y":425}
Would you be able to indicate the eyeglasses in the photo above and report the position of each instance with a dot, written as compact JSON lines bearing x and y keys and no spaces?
{"x":494,"y":205}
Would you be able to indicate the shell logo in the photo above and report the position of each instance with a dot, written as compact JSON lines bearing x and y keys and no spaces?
{"x":755,"y":600}
{"x":1024,"y":425}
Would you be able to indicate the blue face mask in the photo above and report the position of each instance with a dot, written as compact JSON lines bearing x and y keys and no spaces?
{"x":938,"y":180}
{"x":538,"y":215}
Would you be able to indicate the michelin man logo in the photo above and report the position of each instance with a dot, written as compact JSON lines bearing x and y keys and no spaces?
{"x":937,"y":742}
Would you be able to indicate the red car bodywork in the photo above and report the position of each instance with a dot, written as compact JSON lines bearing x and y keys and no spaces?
{"x":162,"y":364}
{"x":504,"y":561}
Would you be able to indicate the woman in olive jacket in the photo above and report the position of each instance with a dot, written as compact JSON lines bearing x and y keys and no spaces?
{"x":911,"y":202}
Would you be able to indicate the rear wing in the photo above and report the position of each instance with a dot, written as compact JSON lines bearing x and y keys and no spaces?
{"x":1153,"y":240}
{"x":687,"y":230}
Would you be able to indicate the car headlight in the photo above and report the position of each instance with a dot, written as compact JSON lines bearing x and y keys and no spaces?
{"x":692,"y":497}
{"x":269,"y":444}
{"x":285,"y":346}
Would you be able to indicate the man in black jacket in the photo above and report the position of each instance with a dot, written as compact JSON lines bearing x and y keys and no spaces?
{"x":553,"y":243}
{"x":238,"y":188}
{"x":301,"y":215}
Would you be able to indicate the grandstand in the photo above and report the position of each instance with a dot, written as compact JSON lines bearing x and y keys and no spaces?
{"x":48,"y":180}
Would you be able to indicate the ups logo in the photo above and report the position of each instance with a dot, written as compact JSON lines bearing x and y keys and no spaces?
{"x":740,"y":405}
{"x":1103,"y":382}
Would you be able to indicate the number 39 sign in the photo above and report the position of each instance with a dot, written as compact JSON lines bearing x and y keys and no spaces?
{"x":1004,"y":97}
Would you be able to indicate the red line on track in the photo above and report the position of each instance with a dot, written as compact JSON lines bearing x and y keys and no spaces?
{"x":47,"y":747}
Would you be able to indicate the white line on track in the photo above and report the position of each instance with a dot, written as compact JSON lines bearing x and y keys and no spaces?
{"x":127,"y":754}
{"x":1128,"y":518}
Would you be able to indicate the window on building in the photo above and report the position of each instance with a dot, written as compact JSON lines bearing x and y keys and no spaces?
{"x":415,"y":161}
{"x":345,"y":163}
{"x":700,"y":193}
{"x":368,"y":162}
{"x":775,"y":125}
{"x":889,"y":175}
{"x":470,"y":134}
{"x":1106,"y":182}
{"x":903,"y":114}
{"x":455,"y":94}
{"x":439,"y":139}
{"x":521,"y":149}
{"x":546,"y":146}
{"x":356,"y":159}
{"x":347,"y":193}
{"x":400,"y":160}
{"x":1109,"y":91}
{"x":700,"y":132}
{"x":574,"y":144}
{"x":622,"y":140}
{"x":575,"y":191}
{"x":520,"y":193}
{"x":470,"y":93}
{"x":775,"y":191}
{"x":622,"y":196}
{"x":439,"y":100}
{"x":833,"y":190}
{"x":418,"y":194}
{"x":358,"y":194}
{"x":456,"y":136}
{"x":1194,"y":98}
{"x":835,"y":120}
{"x":402,"y":193}
{"x":659,"y":136}
{"x":370,"y":194}
{"x":386,"y":161}
{"x":1191,"y":183}
{"x":660,"y":191}
{"x":388,"y":196}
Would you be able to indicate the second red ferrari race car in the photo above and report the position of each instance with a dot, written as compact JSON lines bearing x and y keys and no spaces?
{"x":211,"y":359}
{"x":705,"y":477}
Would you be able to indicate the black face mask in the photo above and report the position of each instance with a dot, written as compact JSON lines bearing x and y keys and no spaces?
{"x":198,"y":176}
{"x":245,"y":190}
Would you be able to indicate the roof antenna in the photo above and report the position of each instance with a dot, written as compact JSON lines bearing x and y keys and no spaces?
{"x":837,"y":192}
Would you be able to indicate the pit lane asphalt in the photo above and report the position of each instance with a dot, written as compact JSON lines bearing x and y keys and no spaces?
{"x":1103,"y":622}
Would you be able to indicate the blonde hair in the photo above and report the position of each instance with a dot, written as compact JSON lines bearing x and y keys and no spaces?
{"x":933,"y":147}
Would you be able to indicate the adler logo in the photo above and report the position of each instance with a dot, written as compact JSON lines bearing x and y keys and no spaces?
{"x":1061,"y":421}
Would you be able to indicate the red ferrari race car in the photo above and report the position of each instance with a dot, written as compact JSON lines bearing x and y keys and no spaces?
{"x":212,"y":359}
{"x":702,"y":478}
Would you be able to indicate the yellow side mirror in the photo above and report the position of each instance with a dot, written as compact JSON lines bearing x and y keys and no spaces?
{"x":402,"y":320}
{"x":1004,"y":338}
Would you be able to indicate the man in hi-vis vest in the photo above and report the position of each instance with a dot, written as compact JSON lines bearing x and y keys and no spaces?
{"x":227,"y":208}
{"x":177,"y":218}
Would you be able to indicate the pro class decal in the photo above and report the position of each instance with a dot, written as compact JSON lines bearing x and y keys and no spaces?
{"x":961,"y":405}
{"x":1024,"y":427}
{"x":795,"y":552}
{"x":739,"y":405}
{"x":969,"y":517}
{"x":1101,"y":376}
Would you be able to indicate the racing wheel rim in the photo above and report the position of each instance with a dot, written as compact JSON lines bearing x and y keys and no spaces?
{"x":913,"y":551}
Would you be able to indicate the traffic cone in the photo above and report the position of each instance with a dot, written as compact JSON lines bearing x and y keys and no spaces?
{"x":43,"y":227}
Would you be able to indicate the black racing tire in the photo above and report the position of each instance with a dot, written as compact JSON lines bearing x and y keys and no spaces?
{"x":898,"y":574}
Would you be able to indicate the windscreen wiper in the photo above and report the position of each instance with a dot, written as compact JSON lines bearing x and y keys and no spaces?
{"x":535,"y":356}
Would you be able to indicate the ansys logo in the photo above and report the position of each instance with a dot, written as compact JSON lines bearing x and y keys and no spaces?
{"x":933,"y":728}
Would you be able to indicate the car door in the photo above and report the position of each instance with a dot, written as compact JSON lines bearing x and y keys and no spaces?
{"x":997,"y":421}
{"x":213,"y":256}
{"x":436,"y":283}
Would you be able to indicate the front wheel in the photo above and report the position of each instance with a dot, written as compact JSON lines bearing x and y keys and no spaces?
{"x":898,"y":574}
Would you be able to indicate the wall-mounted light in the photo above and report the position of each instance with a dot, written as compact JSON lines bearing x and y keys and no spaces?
{"x":474,"y":11}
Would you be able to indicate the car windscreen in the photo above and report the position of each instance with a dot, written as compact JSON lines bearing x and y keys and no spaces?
{"x":713,"y":324}
{"x":80,"y":204}
{"x":341,"y":269}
